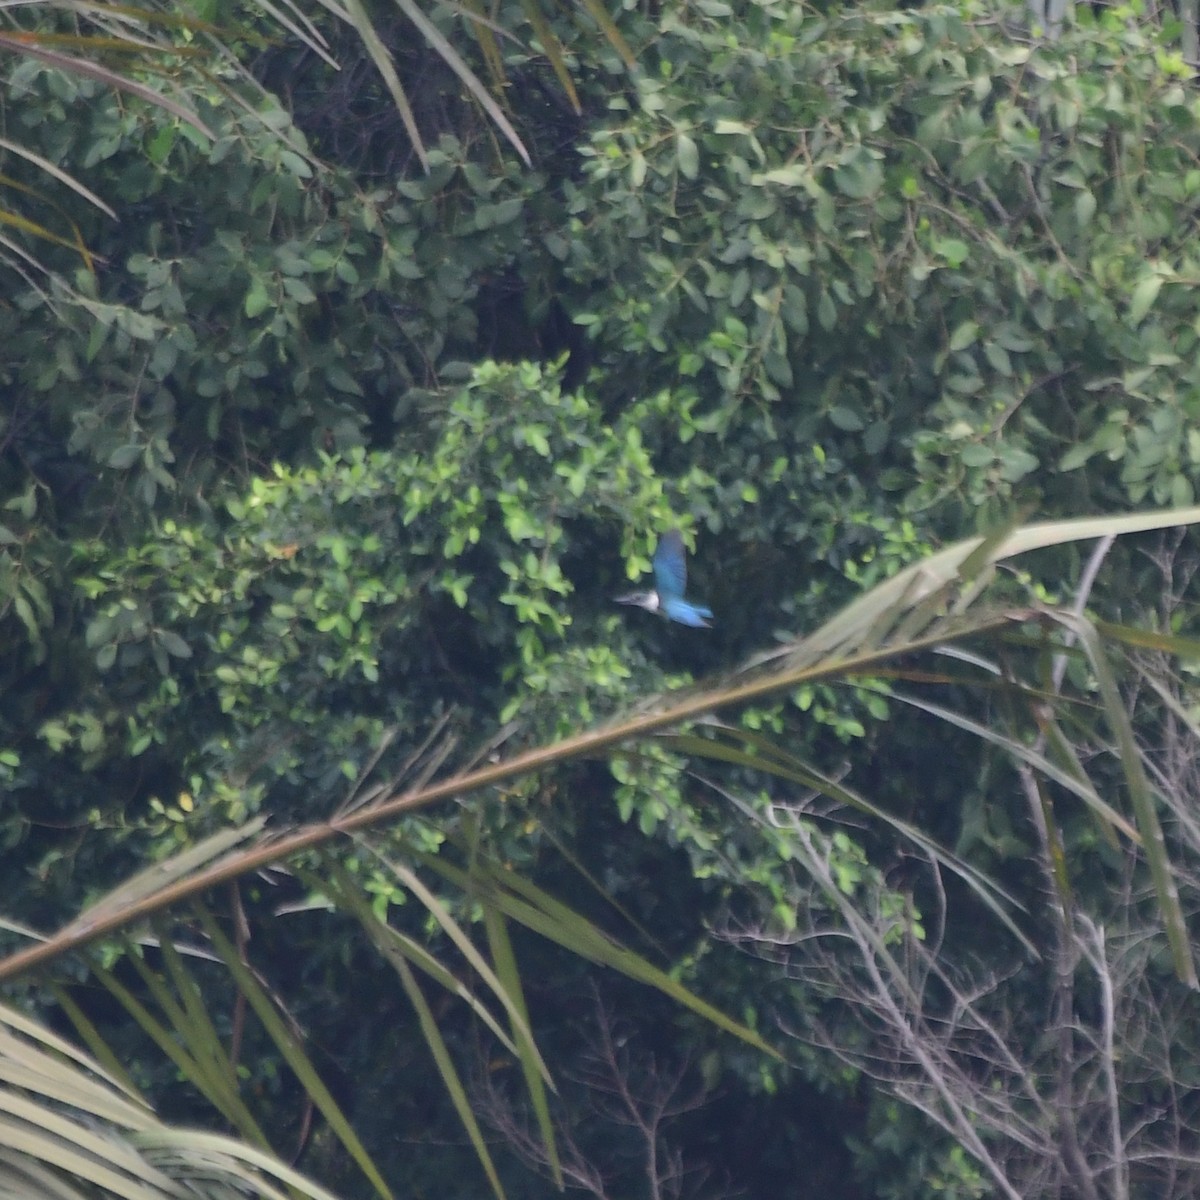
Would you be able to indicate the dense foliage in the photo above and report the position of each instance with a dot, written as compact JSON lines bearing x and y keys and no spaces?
{"x":326,"y":449}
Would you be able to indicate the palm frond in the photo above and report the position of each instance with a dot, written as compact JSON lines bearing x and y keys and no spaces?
{"x":939,"y":604}
{"x":835,"y":651}
{"x":68,"y":1130}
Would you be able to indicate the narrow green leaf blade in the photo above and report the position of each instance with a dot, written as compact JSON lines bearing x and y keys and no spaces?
{"x":293,"y":1053}
{"x":530,"y":1059}
{"x":450,"y":1076}
{"x":1153,"y":841}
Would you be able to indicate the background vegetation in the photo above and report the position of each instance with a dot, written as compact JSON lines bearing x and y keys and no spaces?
{"x":322,"y":453}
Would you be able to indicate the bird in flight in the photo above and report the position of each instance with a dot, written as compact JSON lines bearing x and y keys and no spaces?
{"x":670,"y":582}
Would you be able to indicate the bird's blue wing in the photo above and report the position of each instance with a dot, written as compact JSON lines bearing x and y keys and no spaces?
{"x":670,"y":566}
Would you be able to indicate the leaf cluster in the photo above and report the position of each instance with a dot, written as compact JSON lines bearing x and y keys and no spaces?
{"x":957,"y":261}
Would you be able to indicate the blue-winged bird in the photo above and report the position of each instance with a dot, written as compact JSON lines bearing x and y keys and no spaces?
{"x":670,"y":582}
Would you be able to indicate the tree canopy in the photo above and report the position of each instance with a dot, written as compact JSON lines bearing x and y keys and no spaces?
{"x":322,"y":463}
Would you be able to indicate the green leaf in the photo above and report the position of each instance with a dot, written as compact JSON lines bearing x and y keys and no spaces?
{"x":954,"y":250}
{"x":964,"y":336}
{"x":793,"y":175}
{"x":846,"y":419}
{"x":687,"y":156}
{"x":297,"y":289}
{"x":826,"y":311}
{"x":295,"y":164}
{"x":1144,"y":294}
{"x":998,"y":358}
{"x":257,"y":301}
{"x":859,"y":180}
{"x":173,"y":644}
{"x":977,"y":454}
{"x":1076,"y":457}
